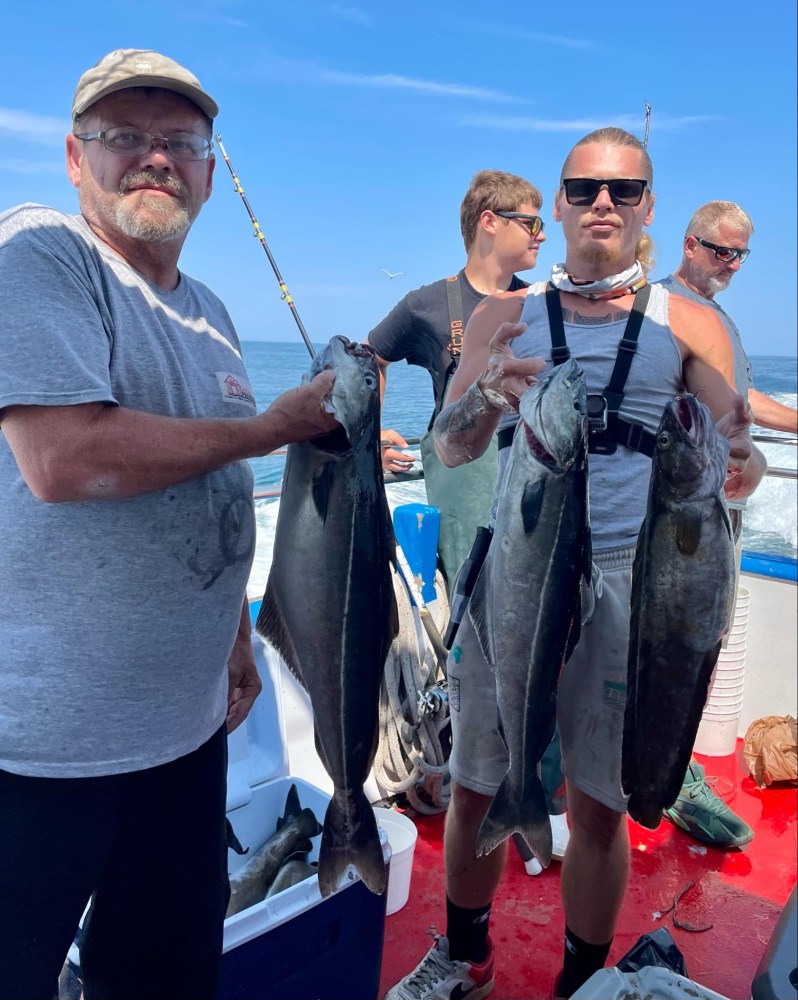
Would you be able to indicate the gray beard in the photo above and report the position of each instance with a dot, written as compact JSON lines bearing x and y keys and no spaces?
{"x":715,"y":285}
{"x":173,"y":222}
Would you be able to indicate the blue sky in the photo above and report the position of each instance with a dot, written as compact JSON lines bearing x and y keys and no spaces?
{"x":355,"y":129}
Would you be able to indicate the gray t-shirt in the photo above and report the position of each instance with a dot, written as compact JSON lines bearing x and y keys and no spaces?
{"x":743,"y":377}
{"x":117,"y":616}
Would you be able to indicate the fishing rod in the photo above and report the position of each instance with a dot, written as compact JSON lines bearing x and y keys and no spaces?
{"x":284,"y":293}
{"x":648,"y":123}
{"x":401,"y":562}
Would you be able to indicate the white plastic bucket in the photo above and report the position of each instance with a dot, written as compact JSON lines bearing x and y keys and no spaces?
{"x":717,"y":737}
{"x":717,"y":732}
{"x":402,"y":836}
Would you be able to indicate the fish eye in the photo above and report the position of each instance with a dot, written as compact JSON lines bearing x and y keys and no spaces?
{"x":664,"y":440}
{"x":371,"y":381}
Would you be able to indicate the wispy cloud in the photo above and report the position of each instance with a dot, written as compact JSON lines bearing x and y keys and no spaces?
{"x":632,"y":123}
{"x":392,"y":81}
{"x":31,"y":127}
{"x":215,"y":12}
{"x":355,"y":15}
{"x":514,"y":31}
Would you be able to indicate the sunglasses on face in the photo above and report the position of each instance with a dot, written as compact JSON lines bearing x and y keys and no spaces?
{"x":621,"y":190}
{"x":532,"y":223}
{"x":724,"y":254}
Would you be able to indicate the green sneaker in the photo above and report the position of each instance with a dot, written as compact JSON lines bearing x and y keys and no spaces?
{"x":703,"y":814}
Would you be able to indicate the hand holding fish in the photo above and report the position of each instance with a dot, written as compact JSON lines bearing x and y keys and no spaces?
{"x":299,"y":414}
{"x":735,"y":427}
{"x":506,"y":378}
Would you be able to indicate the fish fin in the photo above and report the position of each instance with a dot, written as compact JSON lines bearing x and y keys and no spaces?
{"x":478,"y":613}
{"x":321,"y":489}
{"x":292,"y":807}
{"x":231,"y":840}
{"x":511,"y":813}
{"x":270,"y":623}
{"x":644,"y":812}
{"x":351,"y":837}
{"x":532,"y":503}
{"x":688,"y":530}
{"x":307,"y":824}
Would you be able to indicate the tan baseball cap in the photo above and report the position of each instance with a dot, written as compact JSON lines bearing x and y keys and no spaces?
{"x":125,"y":68}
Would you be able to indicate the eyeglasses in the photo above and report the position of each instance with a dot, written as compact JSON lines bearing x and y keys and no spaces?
{"x":532,"y":223}
{"x":622,"y":190}
{"x":725,"y":254}
{"x":129,"y":141}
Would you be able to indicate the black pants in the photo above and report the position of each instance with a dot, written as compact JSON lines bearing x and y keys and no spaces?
{"x":148,"y":847}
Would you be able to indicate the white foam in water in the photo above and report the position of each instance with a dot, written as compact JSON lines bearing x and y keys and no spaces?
{"x":266,"y":523}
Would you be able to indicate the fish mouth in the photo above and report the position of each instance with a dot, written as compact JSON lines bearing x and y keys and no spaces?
{"x":688,"y":416}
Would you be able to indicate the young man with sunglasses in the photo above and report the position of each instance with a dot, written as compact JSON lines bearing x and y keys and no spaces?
{"x":127,"y":532}
{"x":604,"y":202}
{"x":502,"y":232}
{"x":715,"y":247}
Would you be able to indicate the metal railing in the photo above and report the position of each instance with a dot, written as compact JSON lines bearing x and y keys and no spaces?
{"x":392,"y":478}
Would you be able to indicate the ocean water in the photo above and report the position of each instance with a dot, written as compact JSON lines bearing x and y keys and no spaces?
{"x":770,"y":524}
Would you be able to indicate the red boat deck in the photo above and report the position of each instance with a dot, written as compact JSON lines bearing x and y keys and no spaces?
{"x":739,"y":892}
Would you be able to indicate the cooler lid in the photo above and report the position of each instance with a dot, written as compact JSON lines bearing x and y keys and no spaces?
{"x":256,"y":750}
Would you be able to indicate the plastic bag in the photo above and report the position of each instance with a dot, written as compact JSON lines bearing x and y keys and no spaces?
{"x":656,"y":948}
{"x":770,"y":749}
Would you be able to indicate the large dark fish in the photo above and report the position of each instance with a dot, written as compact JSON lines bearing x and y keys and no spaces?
{"x":682,"y":596}
{"x":294,"y":829}
{"x":329,"y":607}
{"x":526,"y":604}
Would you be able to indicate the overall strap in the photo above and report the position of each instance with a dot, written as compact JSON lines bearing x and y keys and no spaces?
{"x":631,"y":435}
{"x":559,"y":349}
{"x":627,"y":346}
{"x":454,"y":296}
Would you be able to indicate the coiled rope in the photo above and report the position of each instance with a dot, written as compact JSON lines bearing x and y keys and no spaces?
{"x":415,"y":729}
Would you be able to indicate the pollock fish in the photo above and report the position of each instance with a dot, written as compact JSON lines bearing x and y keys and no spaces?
{"x":329,"y":607}
{"x":682,"y":599}
{"x":294,"y":829}
{"x":526,"y":603}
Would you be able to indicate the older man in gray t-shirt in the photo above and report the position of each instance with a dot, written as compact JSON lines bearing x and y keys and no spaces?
{"x":126,"y":533}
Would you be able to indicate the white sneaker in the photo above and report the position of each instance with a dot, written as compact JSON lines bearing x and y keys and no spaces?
{"x":437,"y":977}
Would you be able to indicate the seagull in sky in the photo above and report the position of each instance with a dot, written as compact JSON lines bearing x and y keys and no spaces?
{"x":397,"y":275}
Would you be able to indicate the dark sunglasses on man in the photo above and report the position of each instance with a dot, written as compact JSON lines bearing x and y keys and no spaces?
{"x":724,"y":254}
{"x":621,"y":190}
{"x":532,"y":223}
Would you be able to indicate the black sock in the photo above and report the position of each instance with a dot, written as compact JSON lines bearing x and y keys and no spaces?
{"x":467,"y":931}
{"x":580,"y":961}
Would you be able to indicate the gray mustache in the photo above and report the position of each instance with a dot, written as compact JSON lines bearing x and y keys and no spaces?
{"x":168,"y":181}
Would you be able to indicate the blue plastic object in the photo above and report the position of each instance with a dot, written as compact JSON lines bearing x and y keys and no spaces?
{"x":416,"y":526}
{"x":763,"y":564}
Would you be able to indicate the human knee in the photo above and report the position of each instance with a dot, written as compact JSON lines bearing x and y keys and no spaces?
{"x":593,"y":819}
{"x":467,"y":807}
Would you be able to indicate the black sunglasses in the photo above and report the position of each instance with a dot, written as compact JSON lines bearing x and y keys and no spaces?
{"x":622,"y":190}
{"x":532,"y":223}
{"x":724,"y":254}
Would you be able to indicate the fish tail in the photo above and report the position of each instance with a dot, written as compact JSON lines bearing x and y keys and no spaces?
{"x":351,"y":837}
{"x":643,"y":811}
{"x":511,"y":812}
